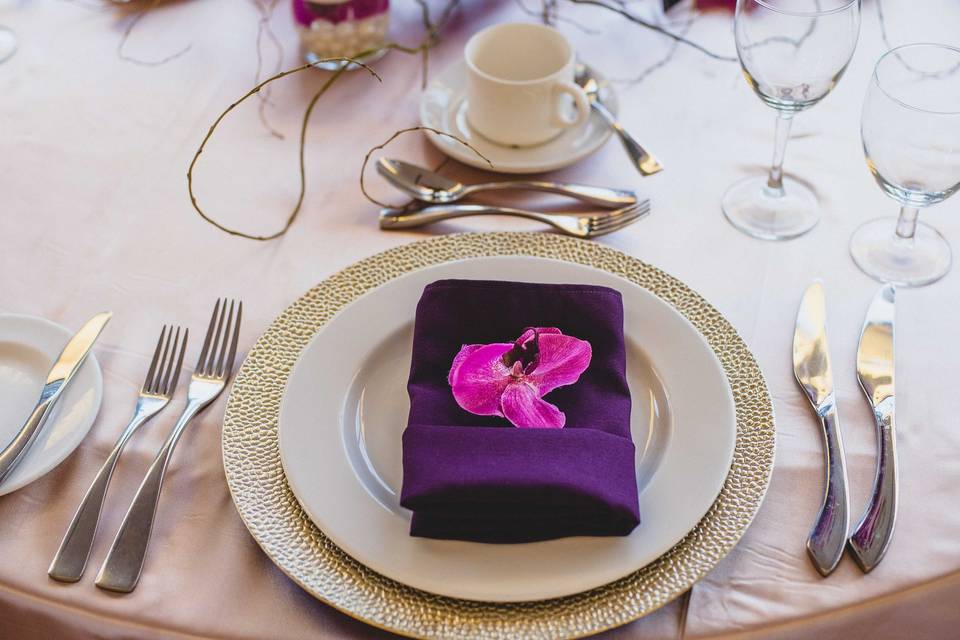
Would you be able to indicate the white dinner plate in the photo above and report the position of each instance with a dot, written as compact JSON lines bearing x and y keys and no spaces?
{"x":443,"y":106}
{"x":345,"y":408}
{"x":28,"y":348}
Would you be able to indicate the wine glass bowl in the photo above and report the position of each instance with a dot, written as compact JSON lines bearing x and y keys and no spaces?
{"x":910,"y":127}
{"x":8,"y":43}
{"x":793,"y":53}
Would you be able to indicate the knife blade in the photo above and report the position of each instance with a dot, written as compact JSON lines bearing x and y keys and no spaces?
{"x":811,"y":366}
{"x":62,"y":372}
{"x":875,"y":371}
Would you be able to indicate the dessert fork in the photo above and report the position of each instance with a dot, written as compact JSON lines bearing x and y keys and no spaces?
{"x":121,"y":570}
{"x":161,"y":382}
{"x":579,"y":225}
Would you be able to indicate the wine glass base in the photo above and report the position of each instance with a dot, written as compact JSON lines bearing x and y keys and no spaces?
{"x":334,"y":65}
{"x":8,"y":43}
{"x":885,"y":256}
{"x":752,"y":207}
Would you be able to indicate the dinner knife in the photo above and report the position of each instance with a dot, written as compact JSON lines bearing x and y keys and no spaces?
{"x":59,"y":377}
{"x":875,"y":370}
{"x":811,"y":365}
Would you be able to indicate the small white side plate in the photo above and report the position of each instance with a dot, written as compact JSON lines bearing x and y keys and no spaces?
{"x":28,"y":348}
{"x":443,"y":107}
{"x":345,"y":408}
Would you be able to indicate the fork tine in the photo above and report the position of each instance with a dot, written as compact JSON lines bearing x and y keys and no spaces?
{"x":627,"y":219}
{"x":161,"y":362}
{"x":206,"y":341}
{"x":610,"y":218}
{"x":620,"y":223}
{"x":148,"y":381}
{"x":176,"y":372}
{"x":623,"y":223}
{"x":639,"y":207}
{"x":233,"y":342}
{"x":168,"y":365}
{"x":600,"y":224}
{"x":631,"y":213}
{"x":218,"y":366}
{"x":217,"y":334}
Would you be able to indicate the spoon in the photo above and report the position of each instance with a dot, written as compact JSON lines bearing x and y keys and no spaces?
{"x":429,"y":186}
{"x":642,"y":160}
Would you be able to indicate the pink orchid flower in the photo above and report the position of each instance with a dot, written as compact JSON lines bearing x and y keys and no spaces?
{"x":510,"y":379}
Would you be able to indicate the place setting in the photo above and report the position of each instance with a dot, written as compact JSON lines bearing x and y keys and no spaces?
{"x":69,"y":400}
{"x":435,"y":505}
{"x":507,"y":434}
{"x":515,"y":390}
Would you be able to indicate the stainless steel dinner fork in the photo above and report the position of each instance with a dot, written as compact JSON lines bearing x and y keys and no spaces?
{"x":121,"y":570}
{"x":579,"y":225}
{"x":161,"y":382}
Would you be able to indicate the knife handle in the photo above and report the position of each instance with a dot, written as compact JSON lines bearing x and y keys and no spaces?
{"x":14,"y":452}
{"x":829,"y":535}
{"x":870,"y":540}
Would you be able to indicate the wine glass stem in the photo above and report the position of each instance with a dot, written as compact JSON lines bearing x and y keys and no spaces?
{"x":907,"y":223}
{"x":781,"y":135}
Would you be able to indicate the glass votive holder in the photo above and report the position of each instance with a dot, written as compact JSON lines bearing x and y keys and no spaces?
{"x":341,"y":28}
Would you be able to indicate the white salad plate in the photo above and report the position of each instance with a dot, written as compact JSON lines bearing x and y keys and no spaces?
{"x":28,"y":348}
{"x":443,"y":106}
{"x":345,"y":407}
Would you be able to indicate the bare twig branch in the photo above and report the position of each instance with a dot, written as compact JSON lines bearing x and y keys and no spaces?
{"x":126,"y":36}
{"x":303,"y":135}
{"x":431,"y":37}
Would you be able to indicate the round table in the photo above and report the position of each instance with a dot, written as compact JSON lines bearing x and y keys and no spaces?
{"x":96,"y":216}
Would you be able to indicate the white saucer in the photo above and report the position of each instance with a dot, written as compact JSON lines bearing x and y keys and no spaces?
{"x":28,"y":348}
{"x":444,"y":107}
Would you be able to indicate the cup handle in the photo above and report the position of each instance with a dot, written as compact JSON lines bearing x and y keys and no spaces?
{"x":580,"y":101}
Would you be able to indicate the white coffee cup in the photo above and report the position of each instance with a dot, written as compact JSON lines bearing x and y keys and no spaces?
{"x":519,"y":77}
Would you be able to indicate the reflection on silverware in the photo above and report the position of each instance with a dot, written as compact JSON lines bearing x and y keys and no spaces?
{"x":580,"y":225}
{"x":161,"y":382}
{"x":121,"y":570}
{"x":642,"y":160}
{"x":429,"y":186}
{"x":58,"y":379}
{"x":811,"y":365}
{"x":875,"y":370}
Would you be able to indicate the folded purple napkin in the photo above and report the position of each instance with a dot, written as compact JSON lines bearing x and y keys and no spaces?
{"x":479,"y":477}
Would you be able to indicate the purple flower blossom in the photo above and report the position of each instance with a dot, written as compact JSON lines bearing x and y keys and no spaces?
{"x":510,"y":379}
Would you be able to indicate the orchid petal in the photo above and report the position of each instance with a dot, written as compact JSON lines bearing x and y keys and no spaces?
{"x":562,"y":360}
{"x":522,"y":405}
{"x":465,"y":350}
{"x":549,"y":330}
{"x":479,"y":377}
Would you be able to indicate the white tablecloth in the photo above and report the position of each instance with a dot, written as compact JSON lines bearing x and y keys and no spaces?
{"x":95,"y":215}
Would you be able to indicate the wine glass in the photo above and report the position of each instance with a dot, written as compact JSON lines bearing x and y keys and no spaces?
{"x":8,"y":43}
{"x":792,"y":53}
{"x":911,"y":137}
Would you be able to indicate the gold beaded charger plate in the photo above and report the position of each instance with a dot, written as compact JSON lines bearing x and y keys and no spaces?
{"x":276,"y":520}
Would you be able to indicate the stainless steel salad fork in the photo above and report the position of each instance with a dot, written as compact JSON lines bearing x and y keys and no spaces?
{"x":158,"y":387}
{"x":580,"y":225}
{"x":121,"y":570}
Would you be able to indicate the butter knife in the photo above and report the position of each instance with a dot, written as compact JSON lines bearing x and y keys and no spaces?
{"x":811,"y":365}
{"x":875,"y":370}
{"x":59,"y":377}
